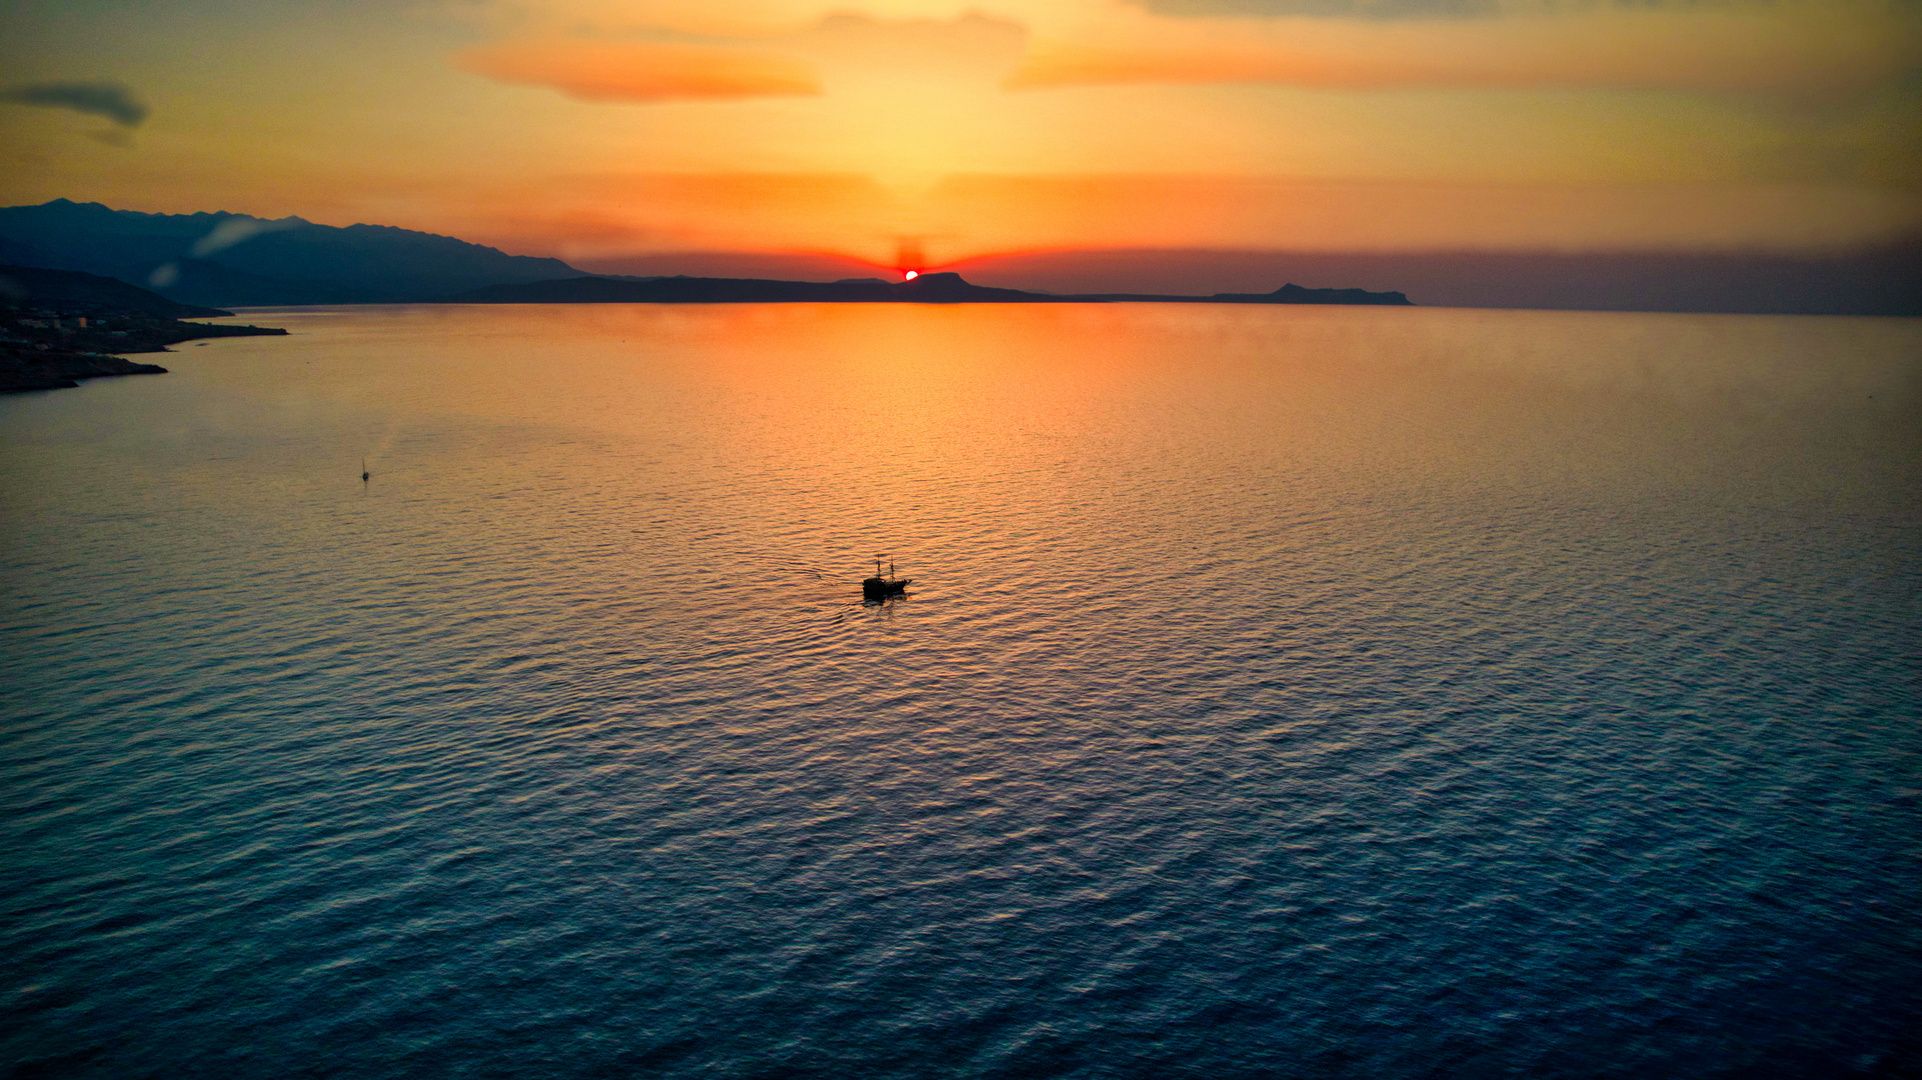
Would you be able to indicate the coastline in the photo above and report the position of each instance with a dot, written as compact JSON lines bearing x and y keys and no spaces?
{"x":936,"y":288}
{"x":53,"y":351}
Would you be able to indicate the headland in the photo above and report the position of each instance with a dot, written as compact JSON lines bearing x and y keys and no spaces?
{"x":60,"y":326}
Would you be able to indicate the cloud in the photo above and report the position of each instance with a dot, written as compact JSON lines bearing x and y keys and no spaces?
{"x":1792,"y":48}
{"x":103,"y":98}
{"x":970,"y":46}
{"x":229,"y":232}
{"x":643,"y":70}
{"x":657,"y":63}
{"x":233,"y":230}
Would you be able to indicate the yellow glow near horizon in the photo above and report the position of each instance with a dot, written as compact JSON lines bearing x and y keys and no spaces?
{"x":590,"y":128}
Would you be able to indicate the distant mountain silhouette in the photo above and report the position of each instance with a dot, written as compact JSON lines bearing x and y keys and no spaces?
{"x":207,"y":281}
{"x":941,"y":288}
{"x":14,"y":253}
{"x":767,"y":265}
{"x":1883,"y":279}
{"x":235,"y":259}
{"x":1287,"y":294}
{"x":71,"y":290}
{"x":926,"y":289}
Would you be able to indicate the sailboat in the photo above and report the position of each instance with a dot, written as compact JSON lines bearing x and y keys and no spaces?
{"x":880,"y":588}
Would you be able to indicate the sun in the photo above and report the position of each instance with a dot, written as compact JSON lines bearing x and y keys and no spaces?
{"x":911,"y":275}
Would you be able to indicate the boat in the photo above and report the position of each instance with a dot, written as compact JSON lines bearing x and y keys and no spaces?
{"x":880,"y":588}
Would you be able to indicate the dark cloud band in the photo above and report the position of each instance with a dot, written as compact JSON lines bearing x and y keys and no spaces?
{"x":108,"y":99}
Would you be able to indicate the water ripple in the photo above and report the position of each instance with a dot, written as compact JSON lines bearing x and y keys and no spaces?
{"x":1283,"y":693}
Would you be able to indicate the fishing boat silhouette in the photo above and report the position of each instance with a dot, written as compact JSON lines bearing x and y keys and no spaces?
{"x":880,"y":588}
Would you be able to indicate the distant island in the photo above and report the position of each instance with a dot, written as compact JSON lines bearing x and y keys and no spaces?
{"x":943,"y":288}
{"x":60,"y":326}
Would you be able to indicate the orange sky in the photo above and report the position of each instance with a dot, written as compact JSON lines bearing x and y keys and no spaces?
{"x":595,"y":128}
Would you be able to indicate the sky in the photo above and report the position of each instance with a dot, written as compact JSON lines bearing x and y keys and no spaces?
{"x":922,"y":132}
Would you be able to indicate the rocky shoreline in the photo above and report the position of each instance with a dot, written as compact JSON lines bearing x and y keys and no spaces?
{"x":58,"y":327}
{"x":53,"y":353}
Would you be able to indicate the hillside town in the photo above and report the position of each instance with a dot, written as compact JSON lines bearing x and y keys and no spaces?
{"x":51,"y":342}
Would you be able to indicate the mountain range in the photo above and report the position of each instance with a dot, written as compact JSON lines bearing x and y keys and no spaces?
{"x":228,"y":260}
{"x":234,"y":260}
{"x":75,"y":292}
{"x":941,"y":288}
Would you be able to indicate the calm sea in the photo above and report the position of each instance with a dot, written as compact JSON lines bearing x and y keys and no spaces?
{"x":1282,"y":692}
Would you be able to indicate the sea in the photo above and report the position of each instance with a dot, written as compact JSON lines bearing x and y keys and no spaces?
{"x":1281,"y":692}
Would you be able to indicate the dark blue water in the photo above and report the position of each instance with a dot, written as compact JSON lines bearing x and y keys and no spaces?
{"x":1283,"y":693}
